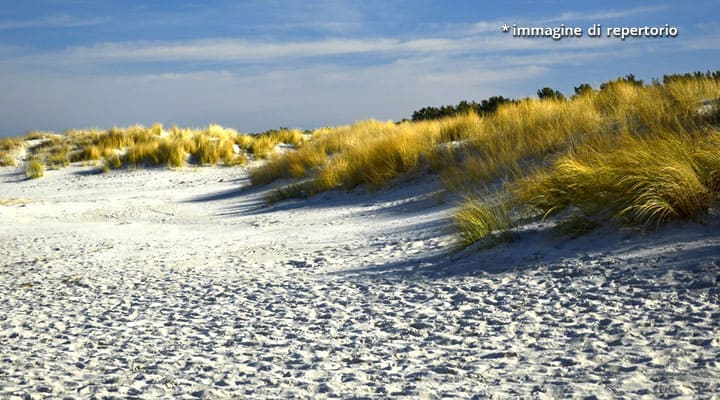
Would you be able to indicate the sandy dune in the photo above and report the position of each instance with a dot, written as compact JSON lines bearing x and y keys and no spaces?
{"x":162,"y":284}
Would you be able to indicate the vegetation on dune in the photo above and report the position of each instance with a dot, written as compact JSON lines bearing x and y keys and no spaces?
{"x":7,"y":147}
{"x":649,"y":156}
{"x":369,"y":152}
{"x":137,"y":146}
{"x":6,"y":159}
{"x":35,"y":168}
{"x":629,"y":151}
{"x":636,"y":153}
{"x":638,"y":180}
{"x":477,"y":220}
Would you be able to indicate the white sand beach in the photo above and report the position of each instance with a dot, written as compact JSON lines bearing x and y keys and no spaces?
{"x":185,"y":284}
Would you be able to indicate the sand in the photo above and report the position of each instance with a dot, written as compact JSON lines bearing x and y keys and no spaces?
{"x":185,"y":284}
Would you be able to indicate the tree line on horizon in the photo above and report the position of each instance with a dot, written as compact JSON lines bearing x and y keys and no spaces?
{"x":490,"y":105}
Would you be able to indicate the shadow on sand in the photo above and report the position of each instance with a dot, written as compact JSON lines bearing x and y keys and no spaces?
{"x":680,"y":246}
{"x":633,"y":257}
{"x":251,"y":200}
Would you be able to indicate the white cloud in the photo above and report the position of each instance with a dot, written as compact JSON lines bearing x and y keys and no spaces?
{"x":238,"y":50}
{"x":54,"y":21}
{"x":485,"y":27}
{"x":601,"y":15}
{"x":225,"y":50}
{"x":326,"y":26}
{"x":708,"y":42}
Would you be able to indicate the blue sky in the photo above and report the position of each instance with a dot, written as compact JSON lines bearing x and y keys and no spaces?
{"x":255,"y":65}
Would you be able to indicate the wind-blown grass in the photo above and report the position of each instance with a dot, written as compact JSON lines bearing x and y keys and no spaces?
{"x":369,"y":152}
{"x":7,"y":147}
{"x":655,"y":160}
{"x":59,"y":155}
{"x":137,"y":146}
{"x":640,"y":180}
{"x":477,"y":220}
{"x":35,"y":169}
{"x":637,"y":154}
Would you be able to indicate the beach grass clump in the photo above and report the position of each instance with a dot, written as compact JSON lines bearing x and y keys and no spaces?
{"x":35,"y":168}
{"x":172,"y":151}
{"x":112,"y":161}
{"x":235,"y":160}
{"x":707,"y":158}
{"x":382,"y":159}
{"x":459,"y":128}
{"x":145,"y":153}
{"x":475,"y":220}
{"x":59,"y":155}
{"x":6,"y":159}
{"x":368,"y":152}
{"x":89,"y":153}
{"x":293,"y":137}
{"x":244,"y":141}
{"x":263,"y":145}
{"x":637,"y":180}
{"x":7,"y":144}
{"x":7,"y":147}
{"x":156,"y":129}
{"x":226,"y":150}
{"x":37,"y":135}
{"x":294,"y":165}
{"x":207,"y":150}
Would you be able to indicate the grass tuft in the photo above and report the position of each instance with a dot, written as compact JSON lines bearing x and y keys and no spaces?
{"x":208,"y":151}
{"x":475,"y":220}
{"x":35,"y":169}
{"x":638,"y":180}
{"x":7,"y":147}
{"x":172,"y":152}
{"x":112,"y":161}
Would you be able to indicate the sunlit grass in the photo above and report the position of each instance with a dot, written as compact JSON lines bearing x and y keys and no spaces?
{"x":640,"y":180}
{"x":59,"y":155}
{"x":6,"y":159}
{"x":263,"y":146}
{"x":655,"y":158}
{"x":7,"y":147}
{"x":35,"y":169}
{"x":637,"y":154}
{"x":476,"y":220}
{"x":139,"y":147}
{"x":369,"y":152}
{"x":173,"y":152}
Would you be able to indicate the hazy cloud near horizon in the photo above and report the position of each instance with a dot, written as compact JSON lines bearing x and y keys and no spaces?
{"x":257,"y":65}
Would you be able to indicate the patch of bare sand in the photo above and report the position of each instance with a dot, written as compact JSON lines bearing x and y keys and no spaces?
{"x":161,"y":284}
